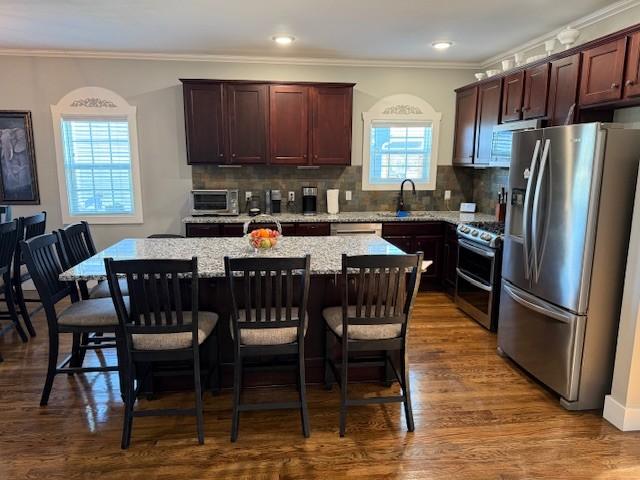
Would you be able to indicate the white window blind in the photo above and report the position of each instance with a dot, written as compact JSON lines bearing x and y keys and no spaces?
{"x":400,"y":151}
{"x":97,"y":165}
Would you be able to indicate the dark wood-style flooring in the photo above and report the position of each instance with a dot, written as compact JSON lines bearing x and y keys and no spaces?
{"x":477,"y":417}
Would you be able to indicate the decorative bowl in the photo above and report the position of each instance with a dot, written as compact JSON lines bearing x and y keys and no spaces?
{"x":480,"y":76}
{"x":491,"y":73}
{"x":263,"y":239}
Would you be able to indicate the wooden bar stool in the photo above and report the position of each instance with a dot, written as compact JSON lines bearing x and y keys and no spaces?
{"x":28,"y":227}
{"x":157,"y":327}
{"x":8,"y":241}
{"x":267,"y":318}
{"x":44,"y":257}
{"x":378,"y":292}
{"x":78,"y":245}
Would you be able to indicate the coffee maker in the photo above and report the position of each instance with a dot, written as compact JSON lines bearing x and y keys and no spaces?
{"x":309,"y":200}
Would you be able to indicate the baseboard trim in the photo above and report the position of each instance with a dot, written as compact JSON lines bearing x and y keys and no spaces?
{"x":623,"y":418}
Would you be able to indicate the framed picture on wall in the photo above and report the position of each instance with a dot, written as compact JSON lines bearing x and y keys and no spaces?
{"x":18,"y":175}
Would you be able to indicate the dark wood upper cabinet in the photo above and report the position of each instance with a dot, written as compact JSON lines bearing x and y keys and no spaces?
{"x":602,"y":70}
{"x":204,"y":115}
{"x":331,"y":111}
{"x":512,"y":96}
{"x":563,"y":90}
{"x":289,"y":124}
{"x":487,"y":117}
{"x":632,"y":76}
{"x":465,"y":126}
{"x":247,"y":111}
{"x":536,"y":86}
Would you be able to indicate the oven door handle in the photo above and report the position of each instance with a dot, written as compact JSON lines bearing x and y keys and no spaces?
{"x":473,"y":248}
{"x":473,"y":281}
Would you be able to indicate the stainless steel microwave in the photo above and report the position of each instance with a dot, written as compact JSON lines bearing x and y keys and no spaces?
{"x":503,"y":137}
{"x":214,"y":202}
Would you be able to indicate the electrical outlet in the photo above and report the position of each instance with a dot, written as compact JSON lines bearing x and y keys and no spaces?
{"x":292,"y":196}
{"x":447,"y":194}
{"x":248,"y":195}
{"x":347,"y":195}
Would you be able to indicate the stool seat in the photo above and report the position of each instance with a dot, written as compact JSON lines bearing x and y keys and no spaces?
{"x":268,"y":336}
{"x":102,"y":289}
{"x":333,"y":317}
{"x":98,"y":312}
{"x":173,"y":341}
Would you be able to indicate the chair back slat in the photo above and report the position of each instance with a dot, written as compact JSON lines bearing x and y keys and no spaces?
{"x":382,"y":288}
{"x":263,"y":290}
{"x":28,"y":227}
{"x":42,"y":255}
{"x":156,"y":288}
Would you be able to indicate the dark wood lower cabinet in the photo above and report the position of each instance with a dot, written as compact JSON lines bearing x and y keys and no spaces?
{"x":437,"y":240}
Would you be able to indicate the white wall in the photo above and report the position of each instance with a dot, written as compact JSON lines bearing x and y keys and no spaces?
{"x":35,"y":83}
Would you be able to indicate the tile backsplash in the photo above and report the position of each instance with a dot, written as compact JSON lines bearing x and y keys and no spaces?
{"x":260,"y":178}
{"x":466,"y":185}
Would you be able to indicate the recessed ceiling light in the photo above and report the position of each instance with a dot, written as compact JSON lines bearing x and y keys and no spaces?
{"x":283,"y":39}
{"x":441,"y":45}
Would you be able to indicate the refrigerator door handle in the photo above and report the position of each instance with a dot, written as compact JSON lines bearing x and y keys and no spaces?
{"x":525,"y":216}
{"x":548,"y":310}
{"x":536,"y":211}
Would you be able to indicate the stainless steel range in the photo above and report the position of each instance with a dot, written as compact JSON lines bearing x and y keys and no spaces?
{"x":478,"y":271}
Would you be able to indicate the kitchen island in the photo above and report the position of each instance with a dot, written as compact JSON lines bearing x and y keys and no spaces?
{"x":326,"y":264}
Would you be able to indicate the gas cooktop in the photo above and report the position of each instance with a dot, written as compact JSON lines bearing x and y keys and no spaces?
{"x":485,"y":233}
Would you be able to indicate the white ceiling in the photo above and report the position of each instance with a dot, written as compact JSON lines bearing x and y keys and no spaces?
{"x":355,"y":29}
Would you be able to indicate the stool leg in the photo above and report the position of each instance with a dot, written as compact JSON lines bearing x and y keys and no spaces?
{"x":237,"y":380}
{"x":11,"y":307}
{"x":304,"y":414}
{"x":198,"y":392}
{"x":343,"y":390}
{"x":408,"y":411}
{"x":23,"y":308}
{"x":51,"y":368}
{"x":328,"y":373}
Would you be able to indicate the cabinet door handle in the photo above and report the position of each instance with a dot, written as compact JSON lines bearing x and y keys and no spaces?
{"x":516,"y":110}
{"x":315,"y":156}
{"x":233,"y":155}
{"x":614,"y":85}
{"x":221,"y":155}
{"x":629,"y":83}
{"x":304,"y":156}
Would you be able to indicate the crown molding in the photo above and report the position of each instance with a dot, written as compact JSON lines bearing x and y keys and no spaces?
{"x":582,"y":22}
{"x":185,"y":57}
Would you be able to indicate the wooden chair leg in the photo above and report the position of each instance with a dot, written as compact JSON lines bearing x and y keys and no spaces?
{"x":198,"y":392}
{"x":23,"y":309}
{"x":328,"y":373}
{"x":13,"y":313}
{"x":84,"y":340}
{"x":75,"y":352}
{"x":406,"y":390}
{"x":237,"y":380}
{"x":128,"y":409}
{"x":343,"y":393}
{"x":389,"y":376}
{"x":304,"y":414}
{"x":51,"y":367}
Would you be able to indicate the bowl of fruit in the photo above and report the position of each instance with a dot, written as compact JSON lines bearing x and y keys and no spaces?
{"x":262,"y":239}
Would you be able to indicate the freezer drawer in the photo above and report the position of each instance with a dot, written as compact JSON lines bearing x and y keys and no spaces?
{"x":542,"y":338}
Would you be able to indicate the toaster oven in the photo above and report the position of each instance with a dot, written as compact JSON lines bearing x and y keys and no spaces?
{"x":214,"y":202}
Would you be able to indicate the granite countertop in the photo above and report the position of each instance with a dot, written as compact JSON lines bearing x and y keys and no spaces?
{"x":326,"y":253}
{"x":355,"y":217}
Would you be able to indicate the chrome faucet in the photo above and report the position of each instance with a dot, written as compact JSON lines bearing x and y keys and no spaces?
{"x":401,"y":205}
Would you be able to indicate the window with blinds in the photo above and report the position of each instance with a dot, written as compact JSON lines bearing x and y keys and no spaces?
{"x":400,"y":151}
{"x":97,"y":166}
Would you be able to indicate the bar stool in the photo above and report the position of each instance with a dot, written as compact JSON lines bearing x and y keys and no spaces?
{"x":8,"y":241}
{"x":157,"y":327}
{"x":78,"y":245}
{"x":373,"y":317}
{"x":28,"y":227}
{"x":267,"y":318}
{"x":44,"y":257}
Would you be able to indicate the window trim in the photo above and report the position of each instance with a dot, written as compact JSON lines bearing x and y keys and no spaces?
{"x":97,"y":103}
{"x":402,"y":109}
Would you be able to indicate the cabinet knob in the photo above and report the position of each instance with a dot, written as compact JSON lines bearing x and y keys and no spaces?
{"x":233,"y":155}
{"x":304,"y":156}
{"x":629,"y":83}
{"x":516,"y":110}
{"x":221,"y":155}
{"x":614,"y":85}
{"x":526,"y":109}
{"x":315,"y":156}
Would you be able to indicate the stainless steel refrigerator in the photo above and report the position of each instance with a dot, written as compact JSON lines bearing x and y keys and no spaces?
{"x":571,"y":193}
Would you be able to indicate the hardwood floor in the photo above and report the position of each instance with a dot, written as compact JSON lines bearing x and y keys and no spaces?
{"x":476,"y":416}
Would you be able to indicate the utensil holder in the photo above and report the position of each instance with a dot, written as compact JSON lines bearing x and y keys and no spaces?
{"x":501,"y":211}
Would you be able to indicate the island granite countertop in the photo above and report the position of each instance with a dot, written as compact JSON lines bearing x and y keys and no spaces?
{"x":326,"y":253}
{"x":355,"y":217}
